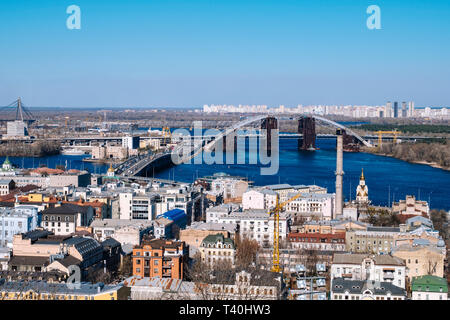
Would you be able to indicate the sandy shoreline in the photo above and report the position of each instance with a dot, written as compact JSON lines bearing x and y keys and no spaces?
{"x":431,"y":164}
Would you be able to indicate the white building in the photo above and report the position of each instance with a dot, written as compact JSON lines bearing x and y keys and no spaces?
{"x":316,"y":204}
{"x":20,"y":219}
{"x":229,"y":187}
{"x":213,"y":214}
{"x":125,"y":231}
{"x":133,"y":205}
{"x":259,"y":199}
{"x":258,"y":225}
{"x":380,"y":268}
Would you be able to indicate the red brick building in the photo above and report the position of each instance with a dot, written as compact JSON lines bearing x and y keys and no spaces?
{"x":159,"y":258}
{"x":318,"y":241}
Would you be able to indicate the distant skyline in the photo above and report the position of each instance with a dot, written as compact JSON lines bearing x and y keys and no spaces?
{"x":189,"y":53}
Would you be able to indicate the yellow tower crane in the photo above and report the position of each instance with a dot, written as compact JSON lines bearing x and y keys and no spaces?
{"x":276,"y":231}
{"x":166,"y":134}
{"x":380,"y":136}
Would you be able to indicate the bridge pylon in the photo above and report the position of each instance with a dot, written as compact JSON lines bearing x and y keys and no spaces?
{"x":307,"y":127}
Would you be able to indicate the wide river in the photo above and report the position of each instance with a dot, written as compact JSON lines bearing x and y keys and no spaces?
{"x":383,"y":174}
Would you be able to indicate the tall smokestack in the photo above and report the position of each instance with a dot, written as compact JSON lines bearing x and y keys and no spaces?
{"x":339,"y":172}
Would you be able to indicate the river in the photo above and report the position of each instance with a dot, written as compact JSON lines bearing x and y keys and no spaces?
{"x":383,"y":174}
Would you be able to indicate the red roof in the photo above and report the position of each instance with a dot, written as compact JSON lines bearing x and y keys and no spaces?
{"x":315,"y":237}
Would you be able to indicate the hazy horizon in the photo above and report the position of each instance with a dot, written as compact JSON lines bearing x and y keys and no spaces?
{"x":191,"y":53}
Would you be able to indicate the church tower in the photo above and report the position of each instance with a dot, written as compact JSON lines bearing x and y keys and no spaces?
{"x":362,"y":191}
{"x":111,"y":172}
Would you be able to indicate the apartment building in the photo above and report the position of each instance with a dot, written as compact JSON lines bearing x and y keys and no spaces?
{"x":159,"y":258}
{"x":317,"y":241}
{"x":125,"y":231}
{"x":138,"y":206}
{"x":65,"y":218}
{"x":380,"y":268}
{"x":258,"y":225}
{"x":421,"y":259}
{"x":378,"y":240}
{"x":311,"y":204}
{"x":213,"y":214}
{"x":20,"y":219}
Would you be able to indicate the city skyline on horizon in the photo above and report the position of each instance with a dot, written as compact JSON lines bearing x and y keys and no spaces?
{"x":238,"y":52}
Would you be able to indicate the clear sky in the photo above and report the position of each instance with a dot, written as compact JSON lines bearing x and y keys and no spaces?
{"x":190,"y":53}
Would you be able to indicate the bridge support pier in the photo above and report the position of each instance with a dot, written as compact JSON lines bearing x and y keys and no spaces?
{"x":307,"y":127}
{"x":350,"y":143}
{"x":268,"y":124}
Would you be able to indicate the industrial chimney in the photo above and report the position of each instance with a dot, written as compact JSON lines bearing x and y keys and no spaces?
{"x":339,"y":172}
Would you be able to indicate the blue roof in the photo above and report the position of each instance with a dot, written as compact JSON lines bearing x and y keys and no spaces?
{"x":174,"y":214}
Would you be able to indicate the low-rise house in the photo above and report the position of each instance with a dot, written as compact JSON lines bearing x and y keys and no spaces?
{"x":343,"y":289}
{"x":429,"y":287}
{"x":6,"y":186}
{"x":216,"y":249}
{"x":381,"y":268}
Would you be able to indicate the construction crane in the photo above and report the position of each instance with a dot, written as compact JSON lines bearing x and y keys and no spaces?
{"x":276,"y":230}
{"x":380,"y":136}
{"x":166,"y":134}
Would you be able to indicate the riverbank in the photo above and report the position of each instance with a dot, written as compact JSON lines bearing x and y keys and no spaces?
{"x":435,"y":155}
{"x":35,"y":150}
{"x":431,"y":164}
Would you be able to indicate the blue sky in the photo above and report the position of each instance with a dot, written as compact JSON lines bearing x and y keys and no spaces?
{"x":190,"y":53}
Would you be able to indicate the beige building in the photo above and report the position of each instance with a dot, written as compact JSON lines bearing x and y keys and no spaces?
{"x":377,"y":240}
{"x":421,"y":260}
{"x":197,"y":231}
{"x":215,"y":249}
{"x":109,"y":152}
{"x":411,"y":206}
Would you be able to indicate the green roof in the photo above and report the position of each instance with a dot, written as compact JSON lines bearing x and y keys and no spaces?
{"x":7,"y":161}
{"x":214,"y":238}
{"x":429,"y":283}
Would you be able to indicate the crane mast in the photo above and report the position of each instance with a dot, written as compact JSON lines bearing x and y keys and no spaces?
{"x":276,"y":231}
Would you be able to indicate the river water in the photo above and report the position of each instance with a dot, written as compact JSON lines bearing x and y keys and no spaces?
{"x":383,"y":174}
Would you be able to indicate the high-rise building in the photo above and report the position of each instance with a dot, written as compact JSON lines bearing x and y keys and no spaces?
{"x":388,"y":111}
{"x":395,"y":109}
{"x":404,"y":110}
{"x":411,"y":111}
